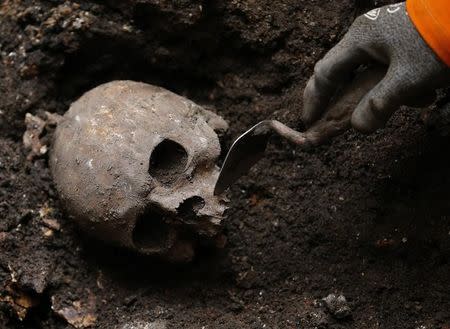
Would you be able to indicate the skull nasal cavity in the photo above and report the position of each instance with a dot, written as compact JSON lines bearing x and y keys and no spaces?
{"x":188,"y":208}
{"x":150,"y":231}
{"x":167,"y":161}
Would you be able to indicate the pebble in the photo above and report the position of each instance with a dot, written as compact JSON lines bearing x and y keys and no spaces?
{"x":337,"y":306}
{"x":145,"y":325}
{"x":317,"y":319}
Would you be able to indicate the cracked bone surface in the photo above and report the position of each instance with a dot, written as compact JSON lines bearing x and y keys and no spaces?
{"x":135,"y":165}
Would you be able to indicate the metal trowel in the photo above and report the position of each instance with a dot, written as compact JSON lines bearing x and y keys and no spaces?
{"x":250,"y":147}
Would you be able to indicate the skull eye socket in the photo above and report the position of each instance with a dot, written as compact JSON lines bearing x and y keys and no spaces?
{"x":167,"y":161}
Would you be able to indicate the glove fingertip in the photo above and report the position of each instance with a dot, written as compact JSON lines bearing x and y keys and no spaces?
{"x":309,"y":102}
{"x":364,"y":120}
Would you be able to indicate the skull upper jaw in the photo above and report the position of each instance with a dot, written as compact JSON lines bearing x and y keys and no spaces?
{"x":191,"y":217}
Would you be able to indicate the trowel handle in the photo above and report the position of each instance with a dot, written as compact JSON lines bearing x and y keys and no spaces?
{"x":288,"y":133}
{"x":337,"y":116}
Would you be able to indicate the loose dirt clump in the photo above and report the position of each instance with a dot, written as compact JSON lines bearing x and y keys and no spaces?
{"x":363,"y":217}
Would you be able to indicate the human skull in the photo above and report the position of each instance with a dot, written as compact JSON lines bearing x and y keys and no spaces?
{"x":135,"y":165}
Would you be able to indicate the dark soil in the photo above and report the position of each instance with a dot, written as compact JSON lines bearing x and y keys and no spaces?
{"x":365,"y":217}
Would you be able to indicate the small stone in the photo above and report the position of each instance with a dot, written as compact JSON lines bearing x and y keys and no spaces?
{"x":52,"y":224}
{"x":159,"y":324}
{"x":127,"y":28}
{"x":80,"y":314}
{"x":337,"y":306}
{"x":317,"y":319}
{"x":48,"y":233}
{"x":36,"y":128}
{"x":3,"y":236}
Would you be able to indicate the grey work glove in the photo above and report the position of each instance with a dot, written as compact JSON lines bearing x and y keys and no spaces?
{"x":385,"y":35}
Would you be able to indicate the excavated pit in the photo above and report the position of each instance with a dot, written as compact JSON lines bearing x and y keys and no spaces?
{"x":363,"y":217}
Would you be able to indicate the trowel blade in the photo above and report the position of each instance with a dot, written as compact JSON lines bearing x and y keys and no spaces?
{"x":247,"y":150}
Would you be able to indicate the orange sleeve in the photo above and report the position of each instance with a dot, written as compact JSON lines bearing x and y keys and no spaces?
{"x":432,"y":20}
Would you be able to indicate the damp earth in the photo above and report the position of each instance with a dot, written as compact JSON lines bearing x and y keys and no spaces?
{"x":365,"y":219}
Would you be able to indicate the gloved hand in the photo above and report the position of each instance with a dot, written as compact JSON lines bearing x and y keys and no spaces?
{"x":385,"y":35}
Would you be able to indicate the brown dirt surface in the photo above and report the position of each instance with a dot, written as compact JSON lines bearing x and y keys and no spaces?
{"x":366,"y":217}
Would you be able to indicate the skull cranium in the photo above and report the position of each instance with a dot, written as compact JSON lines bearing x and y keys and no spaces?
{"x":134,"y":164}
